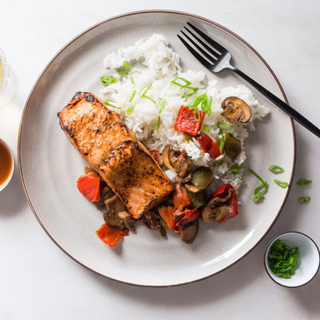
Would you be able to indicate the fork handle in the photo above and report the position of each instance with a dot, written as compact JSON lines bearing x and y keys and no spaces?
{"x":282,"y":105}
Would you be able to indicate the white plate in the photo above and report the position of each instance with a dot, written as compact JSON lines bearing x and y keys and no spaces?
{"x":50,"y":166}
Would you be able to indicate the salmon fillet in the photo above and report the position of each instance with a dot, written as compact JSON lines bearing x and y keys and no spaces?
{"x":111,"y":149}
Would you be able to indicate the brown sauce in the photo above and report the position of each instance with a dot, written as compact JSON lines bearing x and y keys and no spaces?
{"x":5,"y":163}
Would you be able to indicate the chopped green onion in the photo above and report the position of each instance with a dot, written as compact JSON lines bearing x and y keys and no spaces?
{"x":276,"y":169}
{"x":236,"y":169}
{"x":130,"y":109}
{"x":282,"y":184}
{"x":107,"y":102}
{"x":162,"y":103}
{"x":241,"y":180}
{"x":259,"y":195}
{"x":206,"y":128}
{"x":303,"y":182}
{"x":282,"y":259}
{"x":122,"y":72}
{"x":126,"y":65}
{"x":197,"y":101}
{"x":158,"y":124}
{"x":218,"y":163}
{"x":207,"y":107}
{"x":195,"y":90}
{"x":132,"y":96}
{"x":222,"y":142}
{"x":224,"y":127}
{"x":132,"y":81}
{"x":175,"y":81}
{"x":106,"y":80}
{"x":197,"y":111}
{"x":143,"y":92}
{"x":304,"y":199}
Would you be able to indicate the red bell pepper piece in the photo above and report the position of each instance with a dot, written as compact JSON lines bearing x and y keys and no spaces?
{"x":232,"y":203}
{"x":166,"y":213}
{"x":111,"y":235}
{"x":186,"y":122}
{"x":89,"y":185}
{"x":190,"y":215}
{"x":210,"y":146}
{"x":180,"y":199}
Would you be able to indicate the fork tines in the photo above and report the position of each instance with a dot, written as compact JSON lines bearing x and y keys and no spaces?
{"x":209,"y":54}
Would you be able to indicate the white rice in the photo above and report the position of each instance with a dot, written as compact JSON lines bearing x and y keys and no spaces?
{"x":153,"y":62}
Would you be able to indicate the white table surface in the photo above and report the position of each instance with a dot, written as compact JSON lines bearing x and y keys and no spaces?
{"x":39,"y":281}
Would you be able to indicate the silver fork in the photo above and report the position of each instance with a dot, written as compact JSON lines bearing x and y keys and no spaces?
{"x":216,"y":58}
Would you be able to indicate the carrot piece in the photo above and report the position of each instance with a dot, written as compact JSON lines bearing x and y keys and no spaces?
{"x":89,"y":186}
{"x":111,"y":235}
{"x":166,"y":213}
{"x":186,"y":122}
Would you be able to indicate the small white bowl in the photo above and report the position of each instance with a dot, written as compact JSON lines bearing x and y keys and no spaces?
{"x":308,"y":263}
{"x":2,"y":186}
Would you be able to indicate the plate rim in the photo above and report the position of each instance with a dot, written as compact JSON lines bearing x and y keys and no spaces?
{"x":132,"y":13}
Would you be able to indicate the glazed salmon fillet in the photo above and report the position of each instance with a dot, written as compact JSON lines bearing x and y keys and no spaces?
{"x":111,"y":149}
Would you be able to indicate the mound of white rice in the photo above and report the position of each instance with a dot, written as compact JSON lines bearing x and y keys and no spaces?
{"x":153,"y":62}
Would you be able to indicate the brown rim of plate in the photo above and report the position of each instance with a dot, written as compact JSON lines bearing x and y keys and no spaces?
{"x":187,"y":15}
{"x":265,"y":252}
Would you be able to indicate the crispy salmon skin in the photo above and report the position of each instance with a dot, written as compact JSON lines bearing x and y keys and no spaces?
{"x":111,"y":149}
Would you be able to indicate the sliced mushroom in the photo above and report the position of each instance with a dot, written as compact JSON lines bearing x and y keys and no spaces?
{"x":176,"y":160}
{"x":235,"y":109}
{"x":189,"y":226}
{"x":192,"y":188}
{"x":177,"y":216}
{"x":216,"y":209}
{"x":116,"y":214}
{"x":185,"y":179}
{"x":152,"y":221}
{"x":125,"y":217}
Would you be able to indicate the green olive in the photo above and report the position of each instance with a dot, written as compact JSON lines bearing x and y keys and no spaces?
{"x":198,"y":199}
{"x":232,"y":146}
{"x":201,"y":177}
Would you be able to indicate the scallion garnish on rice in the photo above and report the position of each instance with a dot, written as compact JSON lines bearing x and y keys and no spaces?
{"x":132,"y":80}
{"x":130,"y":109}
{"x":177,"y":82}
{"x":106,"y":80}
{"x":222,"y":142}
{"x":143,"y":92}
{"x":224,"y":127}
{"x":158,"y":124}
{"x":107,"y":102}
{"x":126,"y":65}
{"x":218,"y":163}
{"x":206,"y":128}
{"x":122,"y":72}
{"x":162,"y":103}
{"x":132,"y":96}
{"x":236,"y":169}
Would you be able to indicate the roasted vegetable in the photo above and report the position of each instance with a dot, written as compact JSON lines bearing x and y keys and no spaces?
{"x":201,"y":177}
{"x":186,"y":121}
{"x":111,"y":235}
{"x":222,"y":206}
{"x":235,"y":109}
{"x":89,"y":186}
{"x":232,"y":146}
{"x":198,"y":199}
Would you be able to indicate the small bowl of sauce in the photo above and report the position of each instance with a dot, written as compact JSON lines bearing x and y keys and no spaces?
{"x":6,"y":164}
